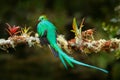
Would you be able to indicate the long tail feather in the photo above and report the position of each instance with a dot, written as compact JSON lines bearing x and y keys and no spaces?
{"x":69,"y":62}
{"x":63,"y":56}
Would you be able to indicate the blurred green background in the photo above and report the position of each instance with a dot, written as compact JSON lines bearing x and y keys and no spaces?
{"x":35,"y":63}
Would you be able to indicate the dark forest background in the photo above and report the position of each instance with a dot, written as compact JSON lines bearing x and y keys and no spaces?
{"x":35,"y":63}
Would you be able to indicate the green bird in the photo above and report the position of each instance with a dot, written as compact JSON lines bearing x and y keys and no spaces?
{"x":47,"y":34}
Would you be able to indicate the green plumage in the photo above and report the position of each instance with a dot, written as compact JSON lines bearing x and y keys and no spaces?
{"x":47,"y":34}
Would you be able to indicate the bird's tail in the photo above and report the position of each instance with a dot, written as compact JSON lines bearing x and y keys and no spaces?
{"x":64,"y":57}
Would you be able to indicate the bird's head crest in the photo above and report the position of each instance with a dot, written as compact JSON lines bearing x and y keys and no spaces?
{"x":43,"y":17}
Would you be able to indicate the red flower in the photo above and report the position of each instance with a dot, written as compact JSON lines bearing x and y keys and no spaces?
{"x":13,"y":30}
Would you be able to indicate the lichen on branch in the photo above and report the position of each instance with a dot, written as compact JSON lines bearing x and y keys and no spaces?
{"x":83,"y":41}
{"x":24,"y":37}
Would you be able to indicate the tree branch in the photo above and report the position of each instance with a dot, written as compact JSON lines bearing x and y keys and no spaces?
{"x":83,"y":41}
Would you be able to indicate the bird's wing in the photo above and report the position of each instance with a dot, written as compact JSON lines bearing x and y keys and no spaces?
{"x":43,"y":39}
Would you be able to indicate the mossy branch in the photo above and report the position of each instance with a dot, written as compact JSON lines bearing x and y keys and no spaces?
{"x":83,"y":41}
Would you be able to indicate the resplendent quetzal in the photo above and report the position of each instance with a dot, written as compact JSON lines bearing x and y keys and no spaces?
{"x":47,"y":33}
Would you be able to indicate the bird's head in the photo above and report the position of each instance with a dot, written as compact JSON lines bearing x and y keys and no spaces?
{"x":43,"y":17}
